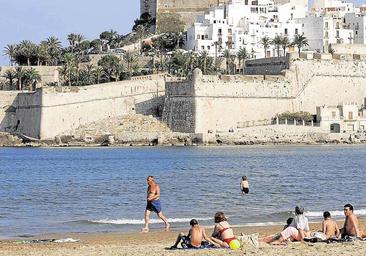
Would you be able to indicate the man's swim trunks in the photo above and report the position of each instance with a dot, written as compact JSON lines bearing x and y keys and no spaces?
{"x":154,"y":206}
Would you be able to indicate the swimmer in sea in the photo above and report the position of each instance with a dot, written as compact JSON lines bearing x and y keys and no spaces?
{"x":244,"y":185}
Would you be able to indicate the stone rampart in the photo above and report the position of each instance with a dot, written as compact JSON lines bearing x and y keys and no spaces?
{"x":52,"y":110}
{"x":220,"y":104}
{"x":7,"y":110}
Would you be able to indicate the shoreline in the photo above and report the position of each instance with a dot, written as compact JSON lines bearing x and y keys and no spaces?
{"x":155,"y":242}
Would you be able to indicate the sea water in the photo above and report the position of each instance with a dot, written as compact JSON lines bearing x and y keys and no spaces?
{"x":59,"y":190}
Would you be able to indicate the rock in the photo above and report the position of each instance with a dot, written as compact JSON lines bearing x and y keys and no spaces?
{"x":8,"y":140}
{"x":58,"y":140}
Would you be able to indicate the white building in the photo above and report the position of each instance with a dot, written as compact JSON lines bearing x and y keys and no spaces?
{"x":357,"y":22}
{"x":342,"y":118}
{"x":242,"y":25}
{"x":321,"y":31}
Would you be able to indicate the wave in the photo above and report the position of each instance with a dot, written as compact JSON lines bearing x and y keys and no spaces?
{"x":361,"y":212}
{"x":142,"y":221}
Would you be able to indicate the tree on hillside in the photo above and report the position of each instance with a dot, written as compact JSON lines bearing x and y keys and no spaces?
{"x":54,"y":50}
{"x":69,"y":67}
{"x":10,"y":76}
{"x":130,"y":59}
{"x":145,"y":20}
{"x":242,"y":55}
{"x":111,"y":65}
{"x":227,"y":56}
{"x":266,"y":42}
{"x":31,"y":78}
{"x":284,"y":44}
{"x":10,"y":51}
{"x":19,"y":75}
{"x":300,"y":41}
{"x":276,"y":42}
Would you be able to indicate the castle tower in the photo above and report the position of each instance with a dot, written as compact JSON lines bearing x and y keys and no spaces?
{"x":187,"y":9}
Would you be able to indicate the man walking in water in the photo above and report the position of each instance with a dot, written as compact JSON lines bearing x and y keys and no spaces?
{"x":153,"y":204}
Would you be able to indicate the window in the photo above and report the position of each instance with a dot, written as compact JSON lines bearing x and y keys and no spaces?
{"x":203,"y":47}
{"x":208,"y":47}
{"x":230,"y":31}
{"x":198,"y":37}
{"x":326,"y":25}
{"x":286,"y":31}
{"x":333,"y":114}
{"x":296,"y":31}
{"x":206,"y":36}
{"x":220,"y":31}
{"x":350,"y":115}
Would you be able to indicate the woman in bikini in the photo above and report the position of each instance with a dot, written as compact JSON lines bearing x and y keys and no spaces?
{"x":223,"y":234}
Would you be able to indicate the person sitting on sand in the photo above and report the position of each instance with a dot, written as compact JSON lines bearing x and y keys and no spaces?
{"x":195,"y":239}
{"x":350,"y":228}
{"x":244,"y":185}
{"x":223,"y":234}
{"x":288,"y":223}
{"x":296,"y":231}
{"x":330,"y":227}
{"x":153,"y":204}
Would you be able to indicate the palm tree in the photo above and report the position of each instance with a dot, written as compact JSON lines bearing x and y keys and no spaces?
{"x":78,"y":39}
{"x":54,"y":49}
{"x":72,"y":38}
{"x":28,"y":50}
{"x":69,"y":67}
{"x":266,"y":42}
{"x":300,"y":41}
{"x":277,"y":40}
{"x":31,"y":77}
{"x":285,"y":43}
{"x":227,"y":56}
{"x":19,"y":75}
{"x":216,"y":45}
{"x":204,"y":57}
{"x":242,"y":56}
{"x":9,"y":75}
{"x":10,"y":51}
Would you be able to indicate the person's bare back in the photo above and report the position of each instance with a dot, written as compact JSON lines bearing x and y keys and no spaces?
{"x":197,"y":234}
{"x":330,"y":228}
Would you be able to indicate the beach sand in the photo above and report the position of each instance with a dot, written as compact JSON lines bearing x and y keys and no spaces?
{"x":154,"y":243}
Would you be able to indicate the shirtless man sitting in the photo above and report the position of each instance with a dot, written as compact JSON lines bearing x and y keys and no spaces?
{"x":195,"y":239}
{"x":330,"y":227}
{"x":153,"y":204}
{"x":350,"y":228}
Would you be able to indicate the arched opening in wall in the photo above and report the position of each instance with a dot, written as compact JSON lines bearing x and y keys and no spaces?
{"x":335,"y":128}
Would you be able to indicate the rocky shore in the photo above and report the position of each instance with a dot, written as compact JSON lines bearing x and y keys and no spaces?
{"x":139,"y":130}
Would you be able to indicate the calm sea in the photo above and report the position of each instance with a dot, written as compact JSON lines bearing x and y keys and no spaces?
{"x":103,"y":189}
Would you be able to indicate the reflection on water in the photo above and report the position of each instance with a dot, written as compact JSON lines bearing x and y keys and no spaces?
{"x":103,"y":189}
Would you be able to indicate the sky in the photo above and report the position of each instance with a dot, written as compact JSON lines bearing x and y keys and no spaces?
{"x":36,"y":20}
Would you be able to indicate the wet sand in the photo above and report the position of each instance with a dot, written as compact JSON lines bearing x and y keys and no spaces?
{"x":154,"y":243}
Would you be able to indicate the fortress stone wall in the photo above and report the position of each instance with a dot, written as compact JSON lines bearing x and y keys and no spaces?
{"x":51,"y":111}
{"x":221,"y":104}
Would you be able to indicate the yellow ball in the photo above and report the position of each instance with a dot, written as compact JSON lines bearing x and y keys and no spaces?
{"x":234,"y":244}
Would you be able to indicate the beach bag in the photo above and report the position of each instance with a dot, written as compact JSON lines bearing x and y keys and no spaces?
{"x":249,"y":240}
